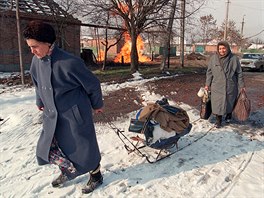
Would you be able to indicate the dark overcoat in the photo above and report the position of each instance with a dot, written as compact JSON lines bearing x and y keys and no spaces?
{"x":224,"y":82}
{"x":68,"y":91}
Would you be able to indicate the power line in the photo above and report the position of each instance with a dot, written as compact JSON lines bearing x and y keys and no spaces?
{"x":255,"y":34}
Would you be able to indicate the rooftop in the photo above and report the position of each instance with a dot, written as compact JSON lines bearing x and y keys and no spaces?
{"x":41,"y":7}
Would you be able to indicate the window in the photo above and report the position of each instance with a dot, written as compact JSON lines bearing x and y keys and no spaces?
{"x":251,"y":56}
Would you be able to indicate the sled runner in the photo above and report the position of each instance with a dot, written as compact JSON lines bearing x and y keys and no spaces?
{"x":157,"y":126}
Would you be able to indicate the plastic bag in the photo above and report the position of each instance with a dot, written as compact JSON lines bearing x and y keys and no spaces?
{"x":206,"y":108}
{"x":242,"y":107}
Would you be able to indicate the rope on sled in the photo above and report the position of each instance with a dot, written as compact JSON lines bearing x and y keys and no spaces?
{"x":120,"y":133}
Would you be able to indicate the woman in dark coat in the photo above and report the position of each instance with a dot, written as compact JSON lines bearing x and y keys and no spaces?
{"x":66,"y":92}
{"x":224,"y":77}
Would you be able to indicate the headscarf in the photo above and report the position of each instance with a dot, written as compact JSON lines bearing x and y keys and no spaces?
{"x":224,"y":60}
{"x":228,"y":50}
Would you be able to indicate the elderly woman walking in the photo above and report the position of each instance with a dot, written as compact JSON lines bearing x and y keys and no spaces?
{"x":66,"y":92}
{"x":224,"y":77}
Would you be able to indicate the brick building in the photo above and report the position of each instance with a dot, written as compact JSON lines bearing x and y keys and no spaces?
{"x":211,"y":47}
{"x":67,"y":30}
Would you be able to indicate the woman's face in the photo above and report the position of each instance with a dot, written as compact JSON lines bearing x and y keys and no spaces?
{"x":222,"y":50}
{"x":37,"y":48}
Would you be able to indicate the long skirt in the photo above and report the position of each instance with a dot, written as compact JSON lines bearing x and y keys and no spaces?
{"x":57,"y":157}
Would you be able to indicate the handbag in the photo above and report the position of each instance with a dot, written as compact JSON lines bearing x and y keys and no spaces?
{"x":242,"y":107}
{"x":135,"y":126}
{"x":206,"y":107}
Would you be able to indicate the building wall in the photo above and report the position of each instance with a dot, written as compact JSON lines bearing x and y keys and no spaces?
{"x":211,"y":48}
{"x":9,"y":51}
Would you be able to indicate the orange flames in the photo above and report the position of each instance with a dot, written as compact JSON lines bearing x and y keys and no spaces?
{"x":126,"y":50}
{"x":100,"y":56}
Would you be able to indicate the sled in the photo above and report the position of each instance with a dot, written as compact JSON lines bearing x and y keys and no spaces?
{"x":164,"y":147}
{"x":143,"y":142}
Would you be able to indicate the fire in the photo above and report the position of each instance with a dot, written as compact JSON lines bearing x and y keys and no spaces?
{"x":126,"y":50}
{"x":100,"y":56}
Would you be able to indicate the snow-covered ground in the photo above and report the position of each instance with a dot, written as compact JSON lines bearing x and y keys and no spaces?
{"x":226,"y":162}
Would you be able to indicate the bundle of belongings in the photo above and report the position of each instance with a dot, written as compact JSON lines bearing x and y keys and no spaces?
{"x":161,"y":123}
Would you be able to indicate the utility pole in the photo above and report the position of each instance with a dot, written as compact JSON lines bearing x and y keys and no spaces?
{"x":226,"y":19}
{"x":166,"y":45}
{"x":169,"y":29}
{"x":242,"y":26}
{"x":182,"y":31}
{"x":19,"y":43}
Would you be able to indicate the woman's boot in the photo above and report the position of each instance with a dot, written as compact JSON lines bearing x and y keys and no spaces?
{"x":228,"y":118}
{"x":218,"y":122}
{"x":96,"y":179}
{"x":59,"y":181}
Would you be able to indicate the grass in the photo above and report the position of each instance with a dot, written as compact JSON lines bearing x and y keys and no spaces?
{"x":113,"y":74}
{"x":121,"y":73}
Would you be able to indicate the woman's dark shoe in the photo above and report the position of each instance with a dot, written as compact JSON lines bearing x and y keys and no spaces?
{"x":228,"y":118}
{"x":95,"y":181}
{"x":65,"y":176}
{"x":59,"y":181}
{"x":218,"y":122}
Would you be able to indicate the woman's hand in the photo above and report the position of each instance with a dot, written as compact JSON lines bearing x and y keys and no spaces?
{"x":98,"y":110}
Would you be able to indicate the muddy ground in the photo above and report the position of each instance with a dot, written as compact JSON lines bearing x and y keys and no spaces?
{"x":182,"y":88}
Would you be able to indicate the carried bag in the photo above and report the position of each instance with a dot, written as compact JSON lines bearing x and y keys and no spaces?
{"x":136,"y":126}
{"x":242,"y":107}
{"x":206,"y":107}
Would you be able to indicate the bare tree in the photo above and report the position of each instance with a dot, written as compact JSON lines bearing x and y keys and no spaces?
{"x":134,"y":16}
{"x":69,"y":6}
{"x":233,"y":36}
{"x":180,"y":15}
{"x":105,"y":43}
{"x":208,"y":28}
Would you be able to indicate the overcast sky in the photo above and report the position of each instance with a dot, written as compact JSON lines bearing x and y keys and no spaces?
{"x":251,"y":10}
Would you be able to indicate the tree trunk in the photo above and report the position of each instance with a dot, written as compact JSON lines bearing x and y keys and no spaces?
{"x":134,"y":52}
{"x":182,"y":32}
{"x":105,"y":57}
{"x":106,"y":42}
{"x":164,"y":55}
{"x":105,"y":48}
